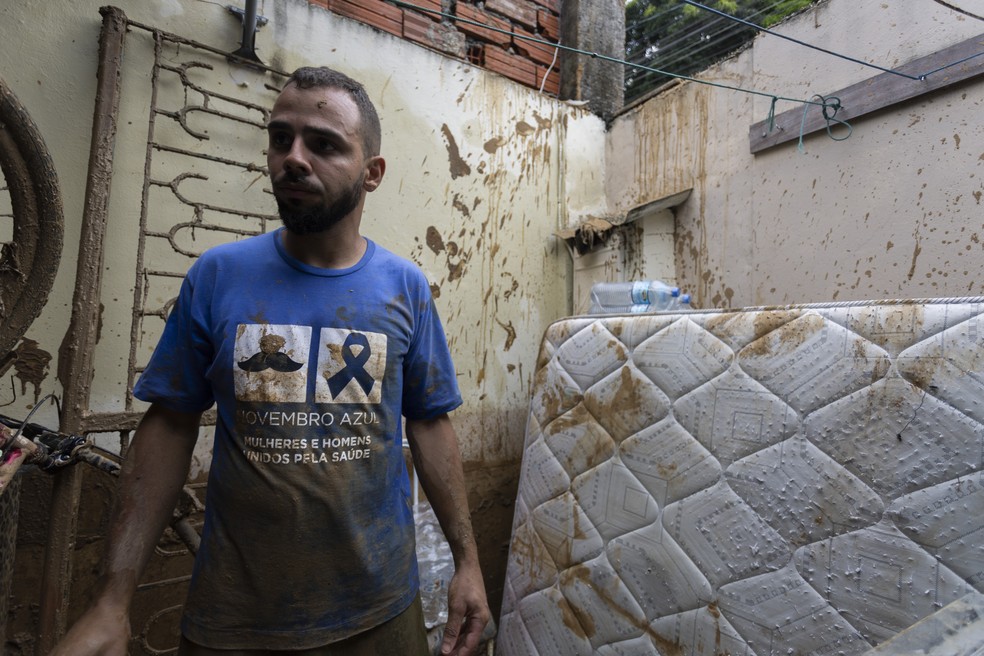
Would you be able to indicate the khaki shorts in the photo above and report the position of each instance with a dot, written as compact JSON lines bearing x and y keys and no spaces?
{"x":404,"y":635}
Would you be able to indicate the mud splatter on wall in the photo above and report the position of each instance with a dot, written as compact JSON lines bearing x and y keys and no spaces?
{"x":489,"y":255}
{"x":458,"y":166}
{"x":30,"y":365}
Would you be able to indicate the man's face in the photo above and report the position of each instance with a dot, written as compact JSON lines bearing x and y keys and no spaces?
{"x":315,"y":157}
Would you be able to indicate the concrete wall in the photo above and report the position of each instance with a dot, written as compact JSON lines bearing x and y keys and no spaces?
{"x":895,"y":211}
{"x":474,"y":191}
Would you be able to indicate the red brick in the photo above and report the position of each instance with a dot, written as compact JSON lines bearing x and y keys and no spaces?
{"x":516,"y":68}
{"x":535,"y":50}
{"x":434,"y":5}
{"x":376,"y":13}
{"x":552,"y":85}
{"x":552,"y":5}
{"x":518,"y":10}
{"x":549,"y":24}
{"x":438,"y":36}
{"x":477,"y":15}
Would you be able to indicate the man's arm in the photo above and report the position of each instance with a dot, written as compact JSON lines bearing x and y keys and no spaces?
{"x":438,"y":464}
{"x":154,"y":471}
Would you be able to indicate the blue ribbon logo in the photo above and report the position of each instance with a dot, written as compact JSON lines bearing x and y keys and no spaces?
{"x":354,"y":366}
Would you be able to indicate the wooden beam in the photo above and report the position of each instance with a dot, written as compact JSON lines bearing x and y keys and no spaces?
{"x":875,"y":93}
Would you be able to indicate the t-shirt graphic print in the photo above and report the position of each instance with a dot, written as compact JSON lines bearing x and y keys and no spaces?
{"x":271,"y":363}
{"x":351,"y":366}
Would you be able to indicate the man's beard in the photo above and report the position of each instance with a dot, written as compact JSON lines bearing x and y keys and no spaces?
{"x":318,"y":219}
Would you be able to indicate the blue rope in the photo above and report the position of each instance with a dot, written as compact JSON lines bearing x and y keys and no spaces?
{"x":829,"y":107}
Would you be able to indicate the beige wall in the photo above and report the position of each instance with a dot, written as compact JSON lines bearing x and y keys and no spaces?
{"x":895,"y":211}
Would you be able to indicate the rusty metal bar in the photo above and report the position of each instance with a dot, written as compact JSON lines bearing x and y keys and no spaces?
{"x":75,"y":355}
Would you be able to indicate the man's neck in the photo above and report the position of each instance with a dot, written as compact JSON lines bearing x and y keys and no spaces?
{"x":339,"y":247}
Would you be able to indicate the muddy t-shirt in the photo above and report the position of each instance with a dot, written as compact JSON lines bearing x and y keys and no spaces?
{"x":308,"y":534}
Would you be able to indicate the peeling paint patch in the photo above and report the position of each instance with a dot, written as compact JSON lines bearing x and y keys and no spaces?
{"x":459,"y":167}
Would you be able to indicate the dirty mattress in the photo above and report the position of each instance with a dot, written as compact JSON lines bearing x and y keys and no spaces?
{"x":796,"y":480}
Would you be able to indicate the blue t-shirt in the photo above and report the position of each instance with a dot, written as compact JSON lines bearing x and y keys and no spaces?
{"x":308,"y":534}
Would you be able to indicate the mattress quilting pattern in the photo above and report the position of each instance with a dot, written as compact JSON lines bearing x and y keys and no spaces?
{"x":800,"y":480}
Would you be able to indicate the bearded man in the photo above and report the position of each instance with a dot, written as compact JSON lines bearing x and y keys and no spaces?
{"x":314,"y":343}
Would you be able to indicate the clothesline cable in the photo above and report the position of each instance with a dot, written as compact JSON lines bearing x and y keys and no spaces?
{"x":828,"y":106}
{"x":920,"y":77}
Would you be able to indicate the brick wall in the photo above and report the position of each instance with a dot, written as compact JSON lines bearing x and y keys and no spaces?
{"x":490,"y":33}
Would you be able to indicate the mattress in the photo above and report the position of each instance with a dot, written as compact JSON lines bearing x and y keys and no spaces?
{"x":795,"y":480}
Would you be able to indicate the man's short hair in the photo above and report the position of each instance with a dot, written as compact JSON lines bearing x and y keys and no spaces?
{"x":308,"y":77}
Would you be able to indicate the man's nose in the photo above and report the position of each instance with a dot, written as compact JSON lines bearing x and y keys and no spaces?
{"x":296,"y":161}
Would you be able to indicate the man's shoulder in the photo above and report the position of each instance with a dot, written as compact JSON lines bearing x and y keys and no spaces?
{"x":384,"y":257}
{"x":242,"y":250}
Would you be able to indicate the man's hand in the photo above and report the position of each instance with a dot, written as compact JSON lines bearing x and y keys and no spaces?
{"x":101,"y":631}
{"x":155,"y":469}
{"x":437,"y":461}
{"x":468,"y":612}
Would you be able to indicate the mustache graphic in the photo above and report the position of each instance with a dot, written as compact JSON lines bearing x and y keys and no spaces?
{"x":277,"y":361}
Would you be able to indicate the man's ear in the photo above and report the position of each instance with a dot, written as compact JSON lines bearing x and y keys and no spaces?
{"x":375,"y":169}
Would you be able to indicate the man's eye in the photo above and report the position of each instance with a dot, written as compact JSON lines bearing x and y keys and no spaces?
{"x":279,"y":139}
{"x":321,"y":145}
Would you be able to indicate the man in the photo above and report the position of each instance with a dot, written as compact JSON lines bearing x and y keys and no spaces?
{"x":312,"y":341}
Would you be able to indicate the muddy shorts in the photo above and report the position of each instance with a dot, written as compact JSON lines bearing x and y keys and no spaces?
{"x":404,"y":635}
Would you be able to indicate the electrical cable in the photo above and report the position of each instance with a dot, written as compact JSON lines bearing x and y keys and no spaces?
{"x":921,"y":77}
{"x":959,"y":10}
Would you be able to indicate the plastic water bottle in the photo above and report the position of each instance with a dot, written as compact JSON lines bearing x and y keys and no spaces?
{"x":638,"y":308}
{"x":655,"y":295}
{"x":682,"y":303}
